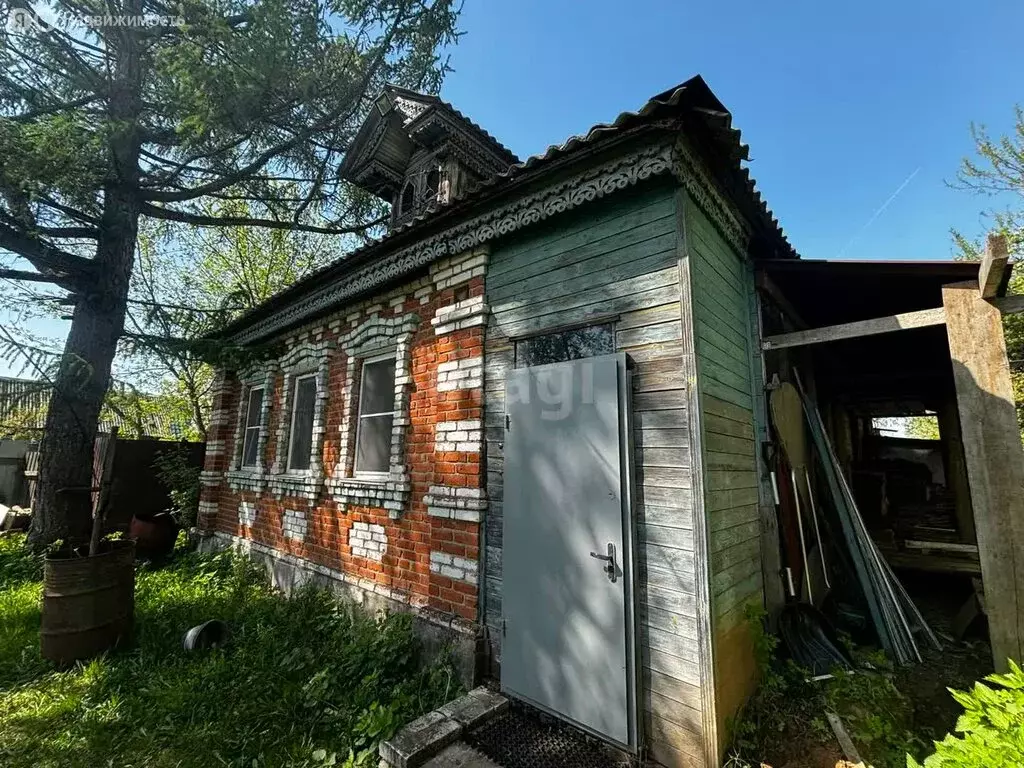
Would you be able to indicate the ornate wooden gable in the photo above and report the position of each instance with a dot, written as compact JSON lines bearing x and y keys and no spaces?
{"x":416,"y":151}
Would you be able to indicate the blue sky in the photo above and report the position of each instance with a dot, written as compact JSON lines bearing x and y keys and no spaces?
{"x":841,"y":104}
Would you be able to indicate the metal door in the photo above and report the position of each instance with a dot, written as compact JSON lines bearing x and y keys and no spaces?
{"x":566,"y":548}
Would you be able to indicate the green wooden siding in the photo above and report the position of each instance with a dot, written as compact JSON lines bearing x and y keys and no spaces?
{"x":617,"y":257}
{"x":722,"y":286}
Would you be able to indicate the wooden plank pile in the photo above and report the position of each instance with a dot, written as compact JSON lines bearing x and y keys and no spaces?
{"x":895,"y":617}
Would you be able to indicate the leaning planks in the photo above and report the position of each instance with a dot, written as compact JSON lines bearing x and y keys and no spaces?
{"x":893,"y":613}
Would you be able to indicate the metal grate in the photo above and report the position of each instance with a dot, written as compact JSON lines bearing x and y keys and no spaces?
{"x":524,"y":738}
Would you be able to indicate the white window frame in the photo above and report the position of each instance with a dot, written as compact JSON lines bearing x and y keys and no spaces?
{"x":257,"y":427}
{"x":291,"y":421}
{"x":363,"y":362}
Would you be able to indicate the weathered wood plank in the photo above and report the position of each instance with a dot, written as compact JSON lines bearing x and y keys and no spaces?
{"x":680,"y":740}
{"x":746,"y":550}
{"x":675,"y":419}
{"x":667,"y":536}
{"x":678,"y":457}
{"x":922,"y":318}
{"x":993,"y":264}
{"x":667,"y":400}
{"x":515,"y":319}
{"x":649,"y":314}
{"x":665,"y":517}
{"x":651,"y":438}
{"x":672,"y":666}
{"x":686,"y":717}
{"x":671,"y":688}
{"x":716,"y":443}
{"x":598,"y":223}
{"x":728,"y":410}
{"x":724,"y":519}
{"x":729,"y":479}
{"x":663,"y":477}
{"x":672,"y":600}
{"x":727,"y":537}
{"x":720,"y":425}
{"x":665,"y":621}
{"x":994,"y":458}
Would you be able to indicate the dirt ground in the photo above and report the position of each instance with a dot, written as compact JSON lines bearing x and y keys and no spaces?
{"x":958,"y":665}
{"x":934,"y":711}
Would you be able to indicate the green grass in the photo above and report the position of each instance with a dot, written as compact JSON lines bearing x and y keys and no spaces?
{"x":301,"y":682}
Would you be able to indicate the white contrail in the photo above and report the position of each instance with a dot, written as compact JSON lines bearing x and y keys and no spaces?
{"x":880,"y":211}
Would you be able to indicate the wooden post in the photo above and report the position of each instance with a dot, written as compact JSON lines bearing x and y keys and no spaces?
{"x":956,"y":469}
{"x":994,"y":458}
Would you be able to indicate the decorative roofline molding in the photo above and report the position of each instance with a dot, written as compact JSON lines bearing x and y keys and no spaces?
{"x":593,"y":184}
{"x":690,"y":173}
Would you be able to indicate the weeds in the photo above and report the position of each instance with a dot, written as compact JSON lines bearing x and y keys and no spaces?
{"x":301,"y":683}
{"x":786,"y":715}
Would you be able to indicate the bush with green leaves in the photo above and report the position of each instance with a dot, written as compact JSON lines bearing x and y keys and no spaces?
{"x":181,"y":478}
{"x":302,"y":682}
{"x":992,"y":726}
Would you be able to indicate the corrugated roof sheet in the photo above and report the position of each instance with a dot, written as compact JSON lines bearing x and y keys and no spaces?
{"x":690,"y":99}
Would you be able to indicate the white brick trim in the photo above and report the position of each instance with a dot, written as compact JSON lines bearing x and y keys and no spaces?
{"x":468,"y":313}
{"x":377,"y":335}
{"x":368,"y":540}
{"x":467,"y":373}
{"x":459,"y":269}
{"x":462,"y":436}
{"x":454,"y":567}
{"x":247,"y":513}
{"x":455,"y":503}
{"x":294,"y":524}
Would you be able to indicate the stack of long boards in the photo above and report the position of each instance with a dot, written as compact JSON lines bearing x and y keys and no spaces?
{"x":894,"y":615}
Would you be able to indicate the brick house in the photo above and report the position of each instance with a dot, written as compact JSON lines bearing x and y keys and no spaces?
{"x":385,"y":453}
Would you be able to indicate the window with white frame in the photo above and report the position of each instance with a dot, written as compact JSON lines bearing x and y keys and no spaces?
{"x":376,"y":415}
{"x":300,"y":432}
{"x":253,"y":423}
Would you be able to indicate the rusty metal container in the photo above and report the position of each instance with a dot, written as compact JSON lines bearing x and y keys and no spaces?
{"x":88,"y":602}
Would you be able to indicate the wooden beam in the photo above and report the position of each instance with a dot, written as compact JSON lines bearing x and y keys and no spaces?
{"x":772,"y":290}
{"x":994,"y":458}
{"x":919,"y":319}
{"x":922,"y":318}
{"x":993,"y":263}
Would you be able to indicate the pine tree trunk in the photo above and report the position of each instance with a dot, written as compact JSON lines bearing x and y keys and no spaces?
{"x":62,"y":508}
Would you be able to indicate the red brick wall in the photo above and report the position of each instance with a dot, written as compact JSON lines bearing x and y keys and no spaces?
{"x":405,"y":566}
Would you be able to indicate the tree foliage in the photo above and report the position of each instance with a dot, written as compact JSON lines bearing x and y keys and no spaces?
{"x":118,"y":111}
{"x":997,"y":172}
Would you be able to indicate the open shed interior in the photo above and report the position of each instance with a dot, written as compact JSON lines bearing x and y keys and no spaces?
{"x":888,"y":405}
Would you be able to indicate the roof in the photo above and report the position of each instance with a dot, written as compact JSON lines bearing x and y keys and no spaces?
{"x":691,"y":106}
{"x":828,"y":292}
{"x":402,"y":120}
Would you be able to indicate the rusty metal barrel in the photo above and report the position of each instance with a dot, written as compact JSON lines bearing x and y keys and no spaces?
{"x":88,"y":602}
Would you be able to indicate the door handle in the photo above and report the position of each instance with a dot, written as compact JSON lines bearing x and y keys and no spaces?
{"x":609,"y":569}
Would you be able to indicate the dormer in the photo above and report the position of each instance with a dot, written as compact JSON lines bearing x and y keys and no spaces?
{"x":416,"y":152}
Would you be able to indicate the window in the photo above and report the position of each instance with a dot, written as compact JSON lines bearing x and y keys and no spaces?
{"x":376,"y":416}
{"x":253,"y":418}
{"x":560,"y":346}
{"x":300,"y":437}
{"x":405,"y":205}
{"x":433,"y":185}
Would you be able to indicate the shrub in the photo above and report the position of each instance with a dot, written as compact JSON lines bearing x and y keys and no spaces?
{"x":182,"y":481}
{"x":992,"y":726}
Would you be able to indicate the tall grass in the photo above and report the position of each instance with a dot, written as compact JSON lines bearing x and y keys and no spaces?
{"x":300,"y":683}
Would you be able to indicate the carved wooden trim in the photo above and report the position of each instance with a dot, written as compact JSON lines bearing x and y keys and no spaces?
{"x":689,"y":170}
{"x":593,"y":184}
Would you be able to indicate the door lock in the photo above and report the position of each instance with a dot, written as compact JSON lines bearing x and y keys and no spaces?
{"x":609,"y":569}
